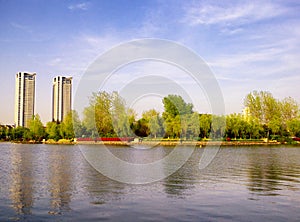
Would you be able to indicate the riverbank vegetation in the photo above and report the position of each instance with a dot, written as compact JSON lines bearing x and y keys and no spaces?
{"x":107,"y":116}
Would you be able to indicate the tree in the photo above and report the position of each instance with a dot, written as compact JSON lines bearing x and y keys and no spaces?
{"x":2,"y":132}
{"x":53,"y":130}
{"x":234,"y":124}
{"x":153,"y":122}
{"x":71,"y":126}
{"x":36,"y":128}
{"x":97,"y":115}
{"x":175,"y":105}
{"x":89,"y":120}
{"x":218,"y":126}
{"x":140,"y":128}
{"x":121,"y":116}
{"x":264,"y":107}
{"x":194,"y":126}
{"x":108,"y":115}
{"x":254,"y":128}
{"x":289,"y":110}
{"x":175,"y":115}
{"x":205,"y":124}
{"x":20,"y":134}
{"x":275,"y":125}
{"x":294,"y":127}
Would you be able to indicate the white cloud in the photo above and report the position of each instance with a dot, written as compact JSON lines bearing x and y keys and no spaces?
{"x":241,"y":13}
{"x":21,"y":27}
{"x":54,"y":62}
{"x":79,"y":6}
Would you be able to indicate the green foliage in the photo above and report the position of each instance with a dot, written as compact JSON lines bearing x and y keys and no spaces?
{"x":19,"y":134}
{"x":108,"y":116}
{"x":140,"y":128}
{"x":3,"y":132}
{"x":154,"y":122}
{"x":175,"y":115}
{"x":174,"y":105}
{"x":36,"y":129}
{"x":293,"y":127}
{"x":53,"y":130}
{"x":272,"y":113}
{"x":66,"y":127}
{"x":218,"y":126}
{"x":205,"y":124}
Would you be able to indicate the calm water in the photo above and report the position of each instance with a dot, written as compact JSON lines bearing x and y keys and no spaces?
{"x":55,"y":183}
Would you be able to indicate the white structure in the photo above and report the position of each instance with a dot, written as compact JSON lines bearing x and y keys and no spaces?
{"x":24,"y":98}
{"x":61,"y":98}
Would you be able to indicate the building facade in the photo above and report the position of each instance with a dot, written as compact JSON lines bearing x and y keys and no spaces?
{"x":61,"y":97}
{"x":24,"y":98}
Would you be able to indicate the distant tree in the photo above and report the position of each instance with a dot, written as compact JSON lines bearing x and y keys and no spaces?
{"x":36,"y":128}
{"x":53,"y":130}
{"x":293,"y":127}
{"x":205,"y":124}
{"x":97,"y":115}
{"x":121,"y":116}
{"x":275,"y":125}
{"x":289,"y":110}
{"x":71,"y":126}
{"x":174,"y":115}
{"x":218,"y":126}
{"x":194,"y":125}
{"x":153,"y":122}
{"x":108,"y":116}
{"x":20,"y":134}
{"x":2,"y":132}
{"x":263,"y":106}
{"x":175,"y":105}
{"x":254,"y":128}
{"x":89,"y":121}
{"x":140,"y":128}
{"x":78,"y":127}
{"x":234,"y":124}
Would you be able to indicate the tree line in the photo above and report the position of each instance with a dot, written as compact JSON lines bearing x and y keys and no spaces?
{"x":108,"y":116}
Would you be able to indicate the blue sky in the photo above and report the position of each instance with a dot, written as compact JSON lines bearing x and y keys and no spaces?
{"x":249,"y":45}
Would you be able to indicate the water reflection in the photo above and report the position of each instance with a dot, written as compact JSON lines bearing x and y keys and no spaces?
{"x":21,"y":186}
{"x":267,"y":174}
{"x":100,"y":188}
{"x":60,"y":180}
{"x":57,"y":183}
{"x":183,"y":180}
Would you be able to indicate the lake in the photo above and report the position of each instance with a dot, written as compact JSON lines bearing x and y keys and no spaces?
{"x":56,"y":183}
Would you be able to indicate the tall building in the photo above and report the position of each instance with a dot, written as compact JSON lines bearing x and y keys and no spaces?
{"x":62,"y":97}
{"x":24,"y":98}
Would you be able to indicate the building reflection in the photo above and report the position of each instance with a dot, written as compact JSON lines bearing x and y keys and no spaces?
{"x":21,"y":186}
{"x":60,"y":180}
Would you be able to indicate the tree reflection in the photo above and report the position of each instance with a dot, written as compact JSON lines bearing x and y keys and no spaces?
{"x":101,"y":189}
{"x":265,"y":172}
{"x":184,"y":178}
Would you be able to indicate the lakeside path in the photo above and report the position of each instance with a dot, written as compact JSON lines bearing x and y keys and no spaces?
{"x":167,"y":143}
{"x":185,"y":143}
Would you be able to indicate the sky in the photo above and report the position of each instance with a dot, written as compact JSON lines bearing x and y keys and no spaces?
{"x":248,"y":45}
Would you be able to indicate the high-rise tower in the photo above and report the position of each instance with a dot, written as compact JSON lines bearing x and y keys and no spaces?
{"x":62,"y":97}
{"x":24,"y":98}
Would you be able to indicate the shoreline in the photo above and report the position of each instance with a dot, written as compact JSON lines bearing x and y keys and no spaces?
{"x":162,"y":143}
{"x":186,"y":143}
